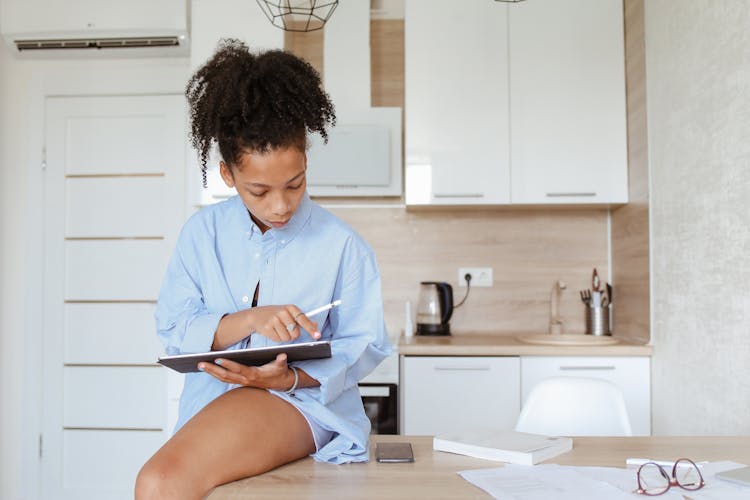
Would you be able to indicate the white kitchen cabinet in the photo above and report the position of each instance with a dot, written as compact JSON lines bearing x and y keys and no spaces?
{"x":441,"y":394}
{"x":567,"y":102}
{"x":515,"y":104}
{"x":456,"y":95}
{"x":630,"y":373}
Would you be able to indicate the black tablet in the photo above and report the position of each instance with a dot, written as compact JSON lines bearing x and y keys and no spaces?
{"x":253,"y":356}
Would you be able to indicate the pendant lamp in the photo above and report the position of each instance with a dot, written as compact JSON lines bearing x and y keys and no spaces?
{"x":298,"y":15}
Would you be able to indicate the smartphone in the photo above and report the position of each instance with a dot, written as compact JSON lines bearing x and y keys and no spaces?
{"x":393,"y":452}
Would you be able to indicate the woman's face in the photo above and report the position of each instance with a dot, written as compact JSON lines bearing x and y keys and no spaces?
{"x":270,"y":184}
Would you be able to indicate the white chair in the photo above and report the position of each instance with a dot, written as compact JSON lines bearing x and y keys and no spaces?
{"x":575,"y":406}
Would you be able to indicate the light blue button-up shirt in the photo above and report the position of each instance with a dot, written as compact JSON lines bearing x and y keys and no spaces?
{"x":221,"y":256}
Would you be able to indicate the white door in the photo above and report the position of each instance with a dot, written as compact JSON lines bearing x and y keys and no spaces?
{"x":114,"y":199}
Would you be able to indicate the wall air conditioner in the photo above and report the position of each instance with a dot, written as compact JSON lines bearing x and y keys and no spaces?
{"x":136,"y":28}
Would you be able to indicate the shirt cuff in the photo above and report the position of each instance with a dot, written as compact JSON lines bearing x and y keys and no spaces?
{"x":329,"y":372}
{"x":199,"y":334}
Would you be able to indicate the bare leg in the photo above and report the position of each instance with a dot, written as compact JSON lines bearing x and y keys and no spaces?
{"x":242,"y":433}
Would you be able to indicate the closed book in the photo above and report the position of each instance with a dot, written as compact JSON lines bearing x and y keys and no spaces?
{"x":503,"y":446}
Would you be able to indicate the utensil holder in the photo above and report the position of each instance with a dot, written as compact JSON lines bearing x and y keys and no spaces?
{"x":597,"y":320}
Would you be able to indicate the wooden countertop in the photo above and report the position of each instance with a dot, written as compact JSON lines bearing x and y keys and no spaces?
{"x":433,"y":474}
{"x":467,"y":344}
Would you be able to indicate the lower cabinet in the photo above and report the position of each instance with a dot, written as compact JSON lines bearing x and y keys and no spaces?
{"x":445,"y":393}
{"x":442,"y":394}
{"x":630,"y":373}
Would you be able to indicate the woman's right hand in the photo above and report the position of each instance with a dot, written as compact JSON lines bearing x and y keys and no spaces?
{"x":280,"y":323}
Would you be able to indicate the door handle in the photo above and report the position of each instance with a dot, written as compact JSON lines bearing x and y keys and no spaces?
{"x":569,"y":195}
{"x":584,"y":368}
{"x":458,"y":195}
{"x":463,"y":368}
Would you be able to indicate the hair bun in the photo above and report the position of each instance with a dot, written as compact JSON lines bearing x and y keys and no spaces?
{"x":245,"y":101}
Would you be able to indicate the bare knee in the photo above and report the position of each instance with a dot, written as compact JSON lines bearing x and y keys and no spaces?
{"x":162,"y":477}
{"x":151,"y":482}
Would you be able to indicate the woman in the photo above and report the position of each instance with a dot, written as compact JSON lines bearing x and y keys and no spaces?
{"x":242,"y":274}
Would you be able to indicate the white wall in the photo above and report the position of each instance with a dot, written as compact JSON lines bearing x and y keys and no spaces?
{"x":13,"y":184}
{"x":698,"y":73}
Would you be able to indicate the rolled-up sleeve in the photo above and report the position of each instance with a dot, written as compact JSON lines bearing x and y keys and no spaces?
{"x":359,"y":341}
{"x":183,"y":322}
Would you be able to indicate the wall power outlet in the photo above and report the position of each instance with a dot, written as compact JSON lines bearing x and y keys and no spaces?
{"x":480,"y":276}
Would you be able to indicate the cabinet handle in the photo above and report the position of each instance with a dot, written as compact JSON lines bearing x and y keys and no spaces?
{"x":458,"y":195}
{"x":463,"y":368}
{"x":590,"y":368}
{"x":569,"y":195}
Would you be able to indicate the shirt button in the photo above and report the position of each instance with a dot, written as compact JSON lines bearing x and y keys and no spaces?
{"x":257,"y":256}
{"x":283,"y":242}
{"x":245,"y":299}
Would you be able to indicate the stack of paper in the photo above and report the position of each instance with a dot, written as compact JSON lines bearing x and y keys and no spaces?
{"x":503,"y":446}
{"x":562,"y":482}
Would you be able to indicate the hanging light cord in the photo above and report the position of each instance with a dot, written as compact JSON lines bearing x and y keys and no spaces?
{"x":467,"y":277}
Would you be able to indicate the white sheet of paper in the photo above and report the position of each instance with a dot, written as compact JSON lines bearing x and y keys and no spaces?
{"x":541,"y":482}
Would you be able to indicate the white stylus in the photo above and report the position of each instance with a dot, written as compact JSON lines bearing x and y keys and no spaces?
{"x":320,"y":309}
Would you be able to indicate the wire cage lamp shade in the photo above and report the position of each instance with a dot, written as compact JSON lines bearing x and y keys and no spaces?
{"x":298,"y":15}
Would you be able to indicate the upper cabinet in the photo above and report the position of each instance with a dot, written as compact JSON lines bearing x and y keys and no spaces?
{"x":456,"y":99}
{"x":567,"y":102}
{"x":515,"y":104}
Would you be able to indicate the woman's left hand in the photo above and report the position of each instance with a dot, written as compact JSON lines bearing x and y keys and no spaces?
{"x":274,"y":375}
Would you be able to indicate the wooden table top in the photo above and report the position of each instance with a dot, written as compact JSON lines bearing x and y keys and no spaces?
{"x":433,"y":474}
{"x":471,"y":344}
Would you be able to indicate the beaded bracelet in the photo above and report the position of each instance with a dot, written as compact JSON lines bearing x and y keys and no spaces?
{"x":296,"y":381}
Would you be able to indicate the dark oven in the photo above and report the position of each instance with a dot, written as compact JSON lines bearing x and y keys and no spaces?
{"x":380,"y":402}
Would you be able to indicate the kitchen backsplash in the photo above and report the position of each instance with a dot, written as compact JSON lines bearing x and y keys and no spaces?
{"x":527,"y":249}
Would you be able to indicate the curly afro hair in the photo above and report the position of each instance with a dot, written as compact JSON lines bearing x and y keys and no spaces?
{"x":258,"y":102}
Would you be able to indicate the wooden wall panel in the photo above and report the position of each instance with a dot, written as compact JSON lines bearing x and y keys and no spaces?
{"x":527,"y":249}
{"x":307,"y":45}
{"x":387,"y":62}
{"x":630,"y":223}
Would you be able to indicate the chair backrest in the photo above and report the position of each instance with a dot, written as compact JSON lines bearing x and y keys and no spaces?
{"x":575,"y":406}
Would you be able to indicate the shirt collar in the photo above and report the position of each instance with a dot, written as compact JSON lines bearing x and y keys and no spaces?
{"x":296,"y":223}
{"x":283,"y":234}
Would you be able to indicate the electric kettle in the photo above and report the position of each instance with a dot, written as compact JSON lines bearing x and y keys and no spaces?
{"x":435,"y":308}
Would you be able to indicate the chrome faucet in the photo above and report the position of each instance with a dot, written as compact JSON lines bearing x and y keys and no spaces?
{"x":555,"y":323}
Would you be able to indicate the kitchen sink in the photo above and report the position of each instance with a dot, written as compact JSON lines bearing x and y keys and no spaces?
{"x":568,"y":339}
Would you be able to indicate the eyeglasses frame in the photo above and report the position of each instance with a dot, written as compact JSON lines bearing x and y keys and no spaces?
{"x":672,"y":479}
